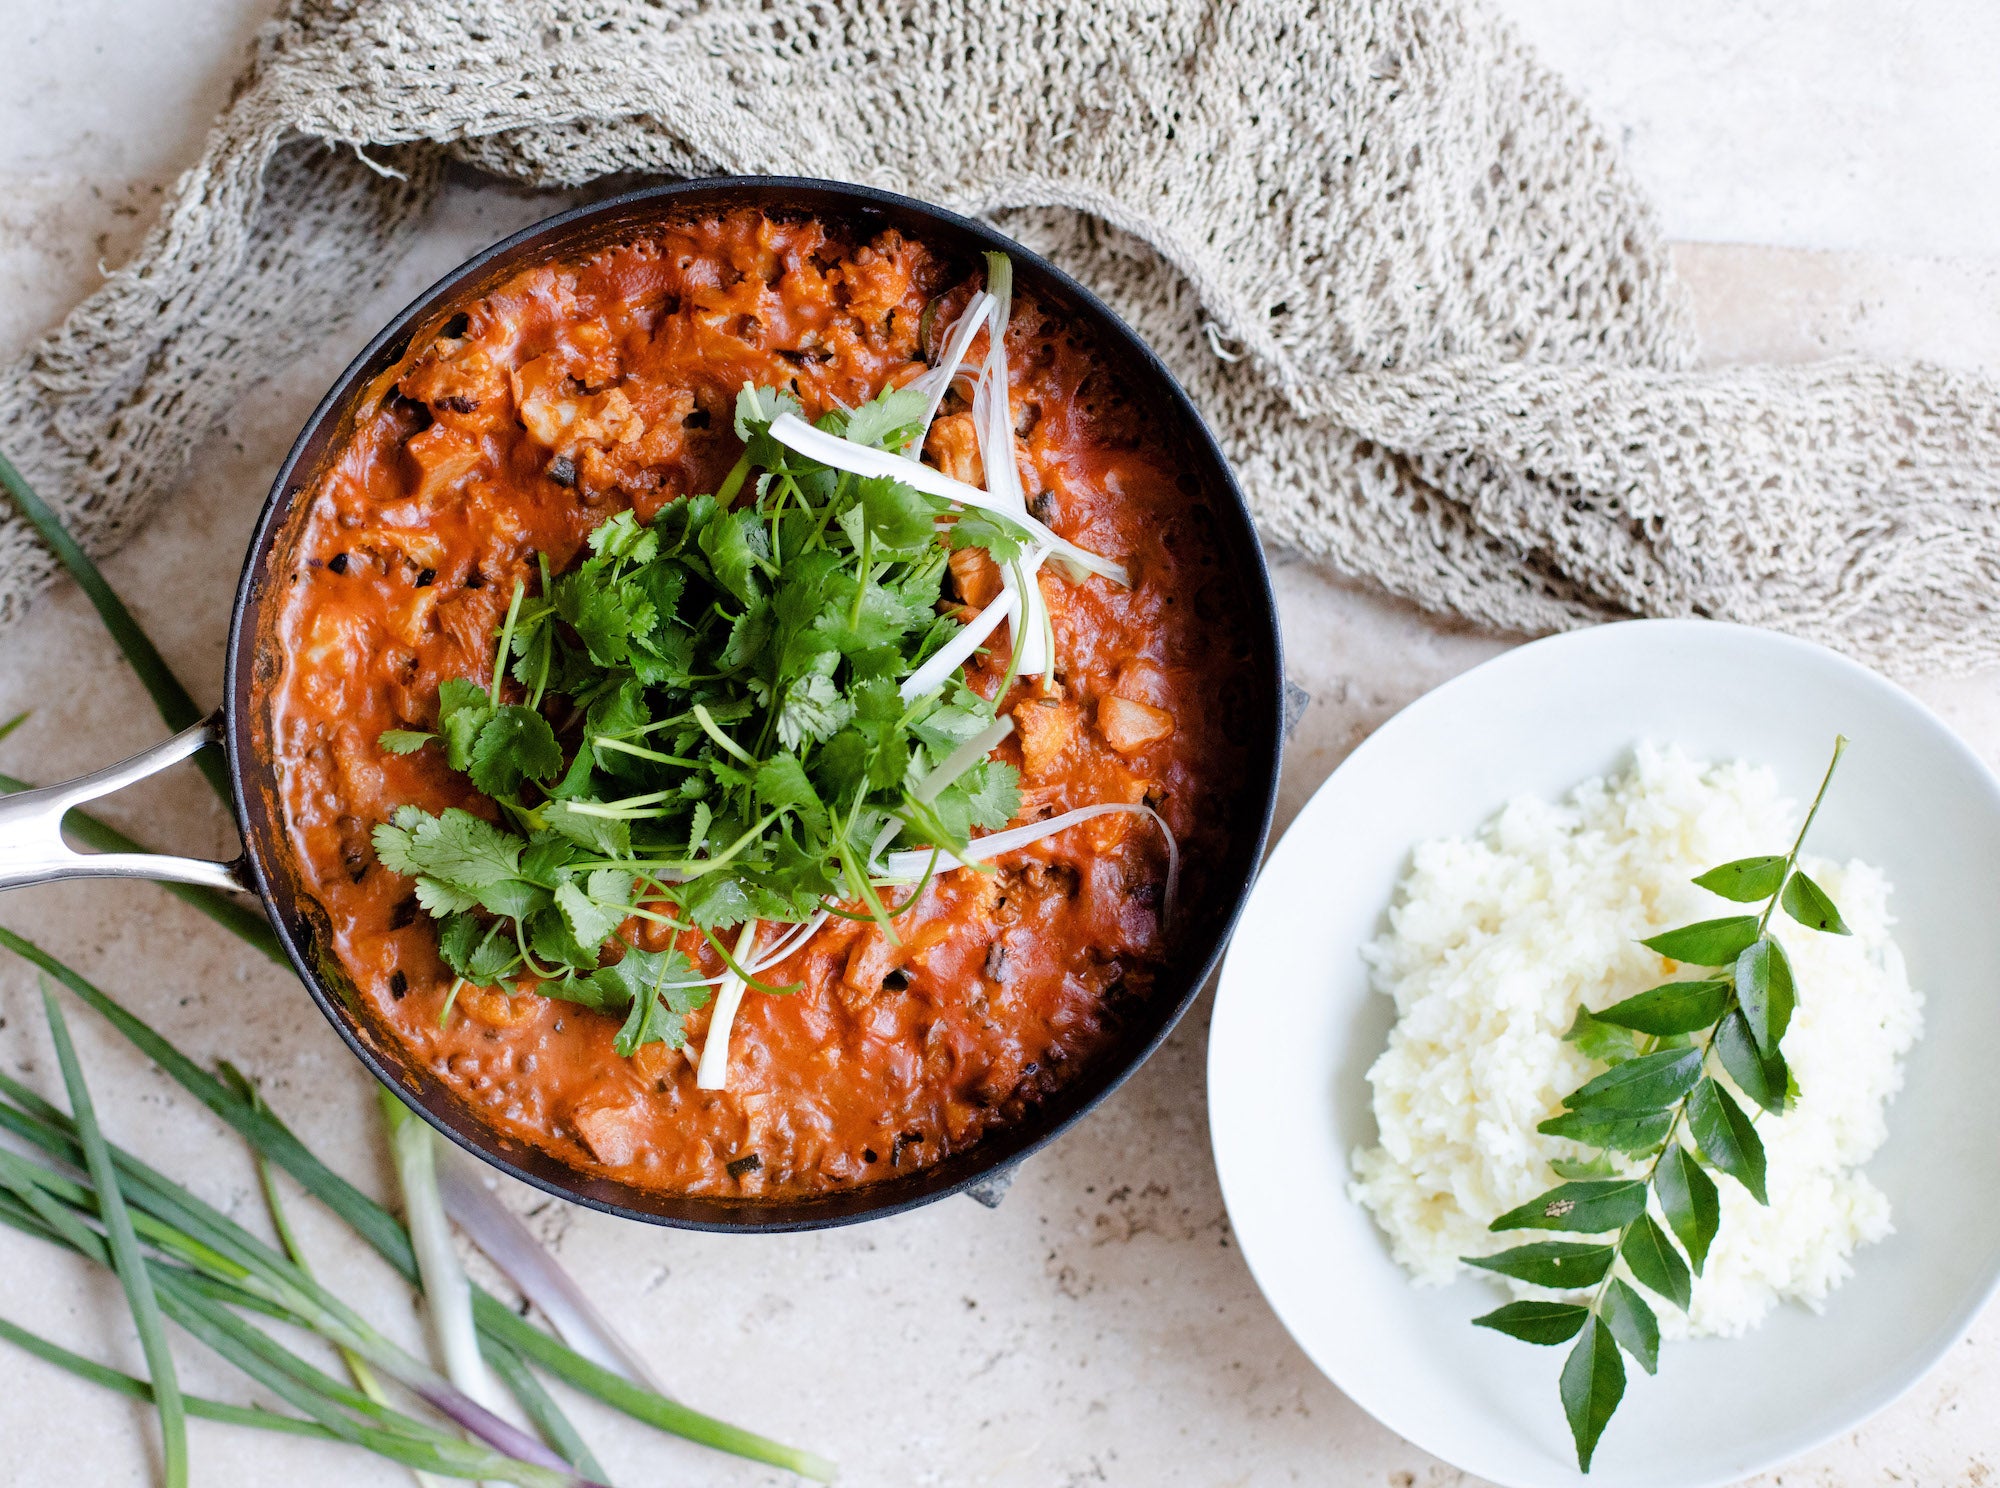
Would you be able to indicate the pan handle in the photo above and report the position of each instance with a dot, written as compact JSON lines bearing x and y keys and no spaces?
{"x":32,"y":849}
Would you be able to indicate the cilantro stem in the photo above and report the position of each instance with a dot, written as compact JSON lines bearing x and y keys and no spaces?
{"x":728,"y":745}
{"x":736,"y":967}
{"x":506,"y":640}
{"x":732,"y":483}
{"x":605,"y":741}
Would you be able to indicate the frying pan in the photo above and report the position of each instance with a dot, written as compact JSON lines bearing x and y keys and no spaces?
{"x":32,"y":849}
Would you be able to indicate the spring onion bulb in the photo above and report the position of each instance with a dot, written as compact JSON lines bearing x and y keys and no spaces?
{"x":507,"y":1242}
{"x":844,"y":454}
{"x":908,"y":866}
{"x":713,"y":1071}
{"x":953,"y":654}
{"x":447,"y":1293}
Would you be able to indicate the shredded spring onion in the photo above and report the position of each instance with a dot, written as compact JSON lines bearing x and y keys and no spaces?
{"x":993,"y":429}
{"x":909,"y":865}
{"x":713,"y":1071}
{"x":953,"y":654}
{"x":842,"y":454}
{"x":935,"y":383}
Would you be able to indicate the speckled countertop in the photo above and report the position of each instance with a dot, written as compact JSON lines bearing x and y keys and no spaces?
{"x":1099,"y":1327}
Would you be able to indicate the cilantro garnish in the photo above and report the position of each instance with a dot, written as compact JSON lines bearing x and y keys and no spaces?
{"x":734,"y":743}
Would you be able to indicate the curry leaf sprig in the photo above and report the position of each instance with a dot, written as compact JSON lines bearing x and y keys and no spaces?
{"x":1663,"y":1109}
{"x":708,"y":726}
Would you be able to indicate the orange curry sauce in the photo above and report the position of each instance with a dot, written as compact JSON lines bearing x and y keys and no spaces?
{"x":573,"y":392}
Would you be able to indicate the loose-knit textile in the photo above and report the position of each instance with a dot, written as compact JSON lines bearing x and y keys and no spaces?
{"x":1399,"y":269}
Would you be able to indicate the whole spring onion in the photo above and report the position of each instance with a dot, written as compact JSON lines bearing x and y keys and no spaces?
{"x":502,"y":1331}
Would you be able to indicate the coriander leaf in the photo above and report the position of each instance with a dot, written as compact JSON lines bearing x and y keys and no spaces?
{"x":622,"y":537}
{"x":512,"y":898}
{"x":1767,"y":1081}
{"x":1620,"y":1131}
{"x":601,"y":834}
{"x":781,"y":783}
{"x":516,"y":743}
{"x":977,"y":528}
{"x":1593,"y":1382}
{"x":576,"y":783}
{"x":1689,"y":1199}
{"x":1597,"y":1039}
{"x":662,"y":583}
{"x":899,"y":517}
{"x":403,"y":741}
{"x":665,"y":658}
{"x":890,"y":420}
{"x":455,"y":941}
{"x":992,"y":793}
{"x":493,"y":957}
{"x":1551,"y":1263}
{"x":734,"y":541}
{"x":545,"y":853}
{"x":1806,"y":902}
{"x":1656,"y":1263}
{"x":395,"y":846}
{"x":463,"y":708}
{"x":549,"y":934}
{"x":585,"y":990}
{"x":842,"y":764}
{"x":715,"y":900}
{"x":1677,"y":1007}
{"x":600,"y":614}
{"x":589,"y":921}
{"x":439,"y":898}
{"x":758,"y":408}
{"x":1765,"y":991}
{"x":1746,"y":880}
{"x":1632,"y":1323}
{"x":1536,"y":1322}
{"x":698,"y":829}
{"x":1587,"y":1208}
{"x":1707,"y":943}
{"x":657,"y":1008}
{"x":1726,"y":1137}
{"x":1651,"y":1082}
{"x":460,"y":849}
{"x":813,"y":710}
{"x":748,"y":633}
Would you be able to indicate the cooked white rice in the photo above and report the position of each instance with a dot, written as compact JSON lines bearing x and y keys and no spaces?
{"x":1494,"y":942}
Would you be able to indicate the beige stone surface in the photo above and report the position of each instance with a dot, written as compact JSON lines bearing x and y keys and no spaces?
{"x":1099,"y":1327}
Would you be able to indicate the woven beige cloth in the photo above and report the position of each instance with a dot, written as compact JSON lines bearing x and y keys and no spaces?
{"x":1394,"y":262}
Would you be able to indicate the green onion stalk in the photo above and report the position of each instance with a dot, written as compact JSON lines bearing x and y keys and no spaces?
{"x":205,"y":1267}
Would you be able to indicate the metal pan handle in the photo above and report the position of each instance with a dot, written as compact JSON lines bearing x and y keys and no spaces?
{"x":32,"y":849}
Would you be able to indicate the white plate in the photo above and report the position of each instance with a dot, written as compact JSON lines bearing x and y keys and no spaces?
{"x":1296,"y":1028}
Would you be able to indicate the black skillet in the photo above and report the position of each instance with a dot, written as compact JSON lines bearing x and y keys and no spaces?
{"x":31,"y":849}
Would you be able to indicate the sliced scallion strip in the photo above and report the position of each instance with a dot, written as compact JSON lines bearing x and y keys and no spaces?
{"x":843,"y":454}
{"x":713,"y":1071}
{"x":907,"y":866}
